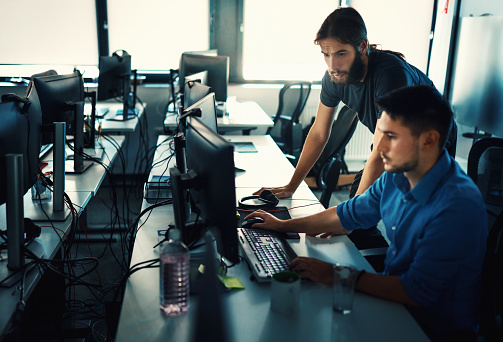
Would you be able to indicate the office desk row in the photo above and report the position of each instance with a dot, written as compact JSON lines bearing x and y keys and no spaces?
{"x":80,"y":188}
{"x":114,"y":126}
{"x":242,"y":116}
{"x":247,"y":312}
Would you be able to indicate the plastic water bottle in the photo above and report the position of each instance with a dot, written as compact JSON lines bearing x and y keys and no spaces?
{"x":174,"y":276}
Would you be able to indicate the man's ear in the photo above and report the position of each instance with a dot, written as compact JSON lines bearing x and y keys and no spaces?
{"x":363,"y":46}
{"x":430,"y":140}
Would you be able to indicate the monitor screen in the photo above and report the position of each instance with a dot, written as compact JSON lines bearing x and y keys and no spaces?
{"x":208,"y":111}
{"x":217,"y":67}
{"x":193,"y":92}
{"x":115,"y":76}
{"x":211,"y":159}
{"x":59,"y":98}
{"x":20,"y":134}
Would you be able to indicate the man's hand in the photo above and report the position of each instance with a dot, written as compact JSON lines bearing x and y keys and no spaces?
{"x":313,"y":269}
{"x":280,"y":192}
{"x":270,"y":221}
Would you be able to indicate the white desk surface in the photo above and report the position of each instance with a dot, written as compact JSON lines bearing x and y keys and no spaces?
{"x":45,"y":246}
{"x":91,"y":179}
{"x":247,"y":311}
{"x":257,"y":165}
{"x":116,"y":127}
{"x":245,"y":115}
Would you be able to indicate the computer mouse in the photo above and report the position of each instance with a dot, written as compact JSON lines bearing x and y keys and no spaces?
{"x":248,"y":223}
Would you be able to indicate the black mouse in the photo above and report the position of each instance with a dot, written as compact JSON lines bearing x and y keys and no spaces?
{"x":248,"y":223}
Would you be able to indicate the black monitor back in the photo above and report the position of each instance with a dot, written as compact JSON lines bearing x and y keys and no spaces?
{"x":20,"y":134}
{"x":217,"y":67}
{"x":193,"y":92}
{"x":208,"y":111}
{"x":114,"y":70}
{"x":211,"y":157}
{"x":58,"y":95}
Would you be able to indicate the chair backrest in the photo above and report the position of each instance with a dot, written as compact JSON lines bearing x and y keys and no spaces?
{"x":485,"y":168}
{"x":343,"y":129}
{"x":292,"y":100}
{"x":485,"y":165}
{"x":287,"y":130}
{"x":491,"y":320}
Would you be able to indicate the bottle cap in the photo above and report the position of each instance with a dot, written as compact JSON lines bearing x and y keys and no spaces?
{"x":174,"y":234}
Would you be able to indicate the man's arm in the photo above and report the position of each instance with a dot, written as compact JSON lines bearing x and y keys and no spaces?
{"x":324,"y":221}
{"x":382,"y":286}
{"x":311,"y":151}
{"x":386,"y":287}
{"x":373,"y":167}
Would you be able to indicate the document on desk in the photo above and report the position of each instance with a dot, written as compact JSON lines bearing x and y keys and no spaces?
{"x":244,"y":147}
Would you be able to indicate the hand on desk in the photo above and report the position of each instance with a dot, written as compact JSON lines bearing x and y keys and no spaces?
{"x":313,"y":269}
{"x":280,"y":192}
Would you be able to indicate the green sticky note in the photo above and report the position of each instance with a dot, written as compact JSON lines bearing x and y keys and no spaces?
{"x":231,"y":283}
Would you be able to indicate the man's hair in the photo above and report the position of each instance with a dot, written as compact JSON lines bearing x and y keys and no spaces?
{"x":419,"y":108}
{"x":347,"y":26}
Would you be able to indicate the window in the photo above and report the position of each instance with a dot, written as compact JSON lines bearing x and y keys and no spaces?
{"x":40,"y":35}
{"x":156,"y":33}
{"x":278,"y":39}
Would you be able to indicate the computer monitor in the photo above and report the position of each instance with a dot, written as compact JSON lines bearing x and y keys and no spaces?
{"x":210,"y":181}
{"x":114,"y":81}
{"x":20,"y":134}
{"x":217,"y":67}
{"x":62,"y":100}
{"x":201,"y":77}
{"x":193,"y":92}
{"x":208,"y":109}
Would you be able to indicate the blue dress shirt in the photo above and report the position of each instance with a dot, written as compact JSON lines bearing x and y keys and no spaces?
{"x":437,"y":234}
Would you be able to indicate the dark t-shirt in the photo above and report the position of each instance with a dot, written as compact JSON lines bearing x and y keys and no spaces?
{"x":386,"y":72}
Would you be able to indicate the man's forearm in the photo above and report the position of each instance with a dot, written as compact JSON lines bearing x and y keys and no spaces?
{"x":385,"y":287}
{"x":322,"y":222}
{"x":373,"y":169}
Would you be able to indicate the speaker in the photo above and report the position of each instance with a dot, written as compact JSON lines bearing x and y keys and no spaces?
{"x":266,"y":199}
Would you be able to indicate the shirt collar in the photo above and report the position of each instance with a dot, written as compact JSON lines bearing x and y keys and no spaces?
{"x":430,"y":181}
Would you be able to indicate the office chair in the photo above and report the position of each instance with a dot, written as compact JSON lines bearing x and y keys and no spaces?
{"x":329,"y":165}
{"x":287,"y":130}
{"x":485,"y":168}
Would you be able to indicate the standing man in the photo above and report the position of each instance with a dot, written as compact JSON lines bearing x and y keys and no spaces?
{"x":434,"y":216}
{"x":357,"y":74}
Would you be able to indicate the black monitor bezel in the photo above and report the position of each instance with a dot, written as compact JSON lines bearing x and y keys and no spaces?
{"x":217,"y":67}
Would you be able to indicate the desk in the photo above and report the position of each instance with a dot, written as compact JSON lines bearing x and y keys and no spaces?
{"x":45,"y":246}
{"x":116,"y":127}
{"x":247,"y":311}
{"x":244,"y":116}
{"x":91,"y":179}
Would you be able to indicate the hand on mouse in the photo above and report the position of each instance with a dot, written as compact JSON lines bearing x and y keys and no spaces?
{"x":270,"y":222}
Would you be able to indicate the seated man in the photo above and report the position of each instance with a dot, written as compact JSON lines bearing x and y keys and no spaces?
{"x":434,"y":216}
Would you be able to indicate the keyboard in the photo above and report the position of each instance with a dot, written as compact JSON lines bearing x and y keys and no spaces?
{"x":266,"y":251}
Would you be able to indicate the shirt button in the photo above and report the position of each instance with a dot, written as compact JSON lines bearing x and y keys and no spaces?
{"x":393,"y":228}
{"x":405,"y":200}
{"x":394,"y":252}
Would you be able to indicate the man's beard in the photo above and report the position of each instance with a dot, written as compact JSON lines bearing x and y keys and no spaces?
{"x":355,"y":74}
{"x":407,"y":166}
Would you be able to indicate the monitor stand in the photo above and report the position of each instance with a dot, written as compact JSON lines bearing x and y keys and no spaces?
{"x":128,"y":112}
{"x":15,"y":212}
{"x":79,"y":164}
{"x":55,"y":210}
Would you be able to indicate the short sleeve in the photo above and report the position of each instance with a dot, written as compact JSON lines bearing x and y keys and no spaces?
{"x":328,"y":95}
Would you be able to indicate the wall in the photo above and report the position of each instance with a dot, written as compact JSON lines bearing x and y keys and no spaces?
{"x":474,"y":8}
